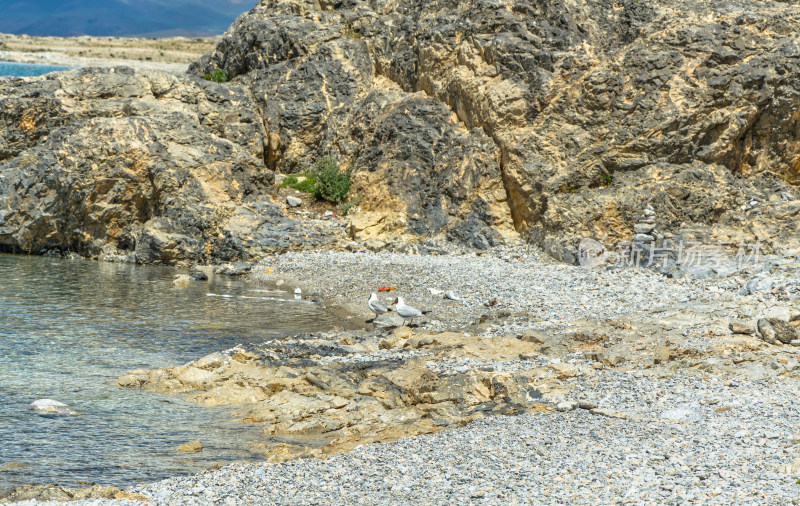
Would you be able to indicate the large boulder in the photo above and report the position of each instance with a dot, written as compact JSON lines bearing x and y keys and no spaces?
{"x":138,"y":166}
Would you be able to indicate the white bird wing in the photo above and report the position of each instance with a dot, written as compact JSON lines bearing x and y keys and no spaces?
{"x":377,"y":307}
{"x":408,"y":311}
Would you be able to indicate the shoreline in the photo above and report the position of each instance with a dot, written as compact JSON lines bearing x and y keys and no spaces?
{"x":627,"y":352}
{"x":172,"y":54}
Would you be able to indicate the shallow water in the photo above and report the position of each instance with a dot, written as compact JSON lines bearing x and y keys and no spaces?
{"x":27,"y":69}
{"x":68,"y":329}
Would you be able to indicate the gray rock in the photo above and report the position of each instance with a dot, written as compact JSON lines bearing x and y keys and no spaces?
{"x":128,"y":168}
{"x":566,"y":405}
{"x":293,"y":201}
{"x":644,"y":228}
{"x":741,"y":328}
{"x":784,"y":331}
{"x":757,"y":285}
{"x":766,"y":331}
{"x":388,"y":321}
{"x":199,"y":275}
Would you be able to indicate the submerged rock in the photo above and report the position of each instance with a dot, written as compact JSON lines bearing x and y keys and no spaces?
{"x":51,"y":407}
{"x":190,"y":447}
{"x":55,"y":493}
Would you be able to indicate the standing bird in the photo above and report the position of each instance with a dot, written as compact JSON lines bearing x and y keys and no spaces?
{"x":376,"y":306}
{"x":408,"y":313}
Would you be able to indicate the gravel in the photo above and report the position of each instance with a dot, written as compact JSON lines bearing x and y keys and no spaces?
{"x":715,"y":456}
{"x":519,"y":280}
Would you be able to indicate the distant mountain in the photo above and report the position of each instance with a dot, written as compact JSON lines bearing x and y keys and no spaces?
{"x":153,"y":18}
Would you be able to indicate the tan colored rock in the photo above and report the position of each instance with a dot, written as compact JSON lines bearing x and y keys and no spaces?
{"x":371,"y":225}
{"x":190,"y":447}
{"x":182,"y":280}
{"x":742,"y":328}
{"x":564,"y":370}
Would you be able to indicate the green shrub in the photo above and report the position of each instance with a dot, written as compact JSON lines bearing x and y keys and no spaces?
{"x":305,"y":186}
{"x":332,"y":184}
{"x":218,"y":76}
{"x":345,"y":208}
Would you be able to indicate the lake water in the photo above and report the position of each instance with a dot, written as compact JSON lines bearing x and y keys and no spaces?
{"x":26,"y":69}
{"x":69,"y":328}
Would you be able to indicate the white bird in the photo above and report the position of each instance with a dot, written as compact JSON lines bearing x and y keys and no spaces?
{"x":408,"y":313}
{"x":376,"y":306}
{"x":298,"y":293}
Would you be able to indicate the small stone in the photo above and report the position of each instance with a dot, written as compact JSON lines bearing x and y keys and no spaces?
{"x":388,"y":321}
{"x":610,"y":413}
{"x":742,"y":328}
{"x":766,"y":331}
{"x":51,"y":407}
{"x":182,"y":280}
{"x":586,"y":405}
{"x":451,"y":295}
{"x":779,"y":330}
{"x":190,"y":447}
{"x":533,"y":336}
{"x":476,"y":494}
{"x":566,"y":405}
{"x":198,"y":275}
{"x":293,"y":201}
{"x":644,"y":228}
{"x":643,"y":238}
{"x":795,"y":342}
{"x":597,"y":365}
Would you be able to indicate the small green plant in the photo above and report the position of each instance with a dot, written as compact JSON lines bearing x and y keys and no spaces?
{"x":349,"y":31}
{"x":565,"y":188}
{"x":606,"y":177}
{"x":218,"y":76}
{"x":303,"y":182}
{"x":345,"y":208}
{"x":332,"y":184}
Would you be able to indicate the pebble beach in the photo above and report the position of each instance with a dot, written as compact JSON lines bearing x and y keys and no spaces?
{"x":710,"y":420}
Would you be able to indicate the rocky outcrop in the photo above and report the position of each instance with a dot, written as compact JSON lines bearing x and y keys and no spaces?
{"x":594,"y":111}
{"x":46,"y":493}
{"x":469,"y":121}
{"x":138,"y":166}
{"x":322,"y":394}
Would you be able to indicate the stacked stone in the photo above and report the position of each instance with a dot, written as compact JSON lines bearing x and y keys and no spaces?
{"x":643,"y":240}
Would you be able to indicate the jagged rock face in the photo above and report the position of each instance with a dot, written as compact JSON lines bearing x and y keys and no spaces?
{"x":594,"y":110}
{"x":139,"y":166}
{"x":464,"y":120}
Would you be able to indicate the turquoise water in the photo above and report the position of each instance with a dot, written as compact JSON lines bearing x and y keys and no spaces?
{"x":68,"y":329}
{"x":26,"y":69}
